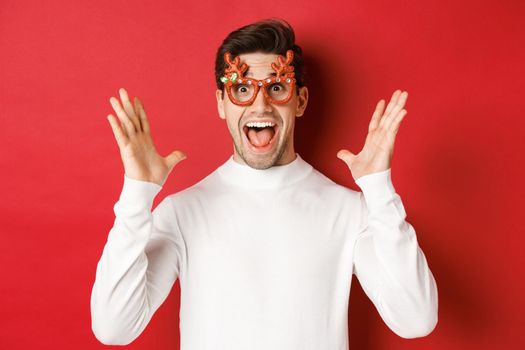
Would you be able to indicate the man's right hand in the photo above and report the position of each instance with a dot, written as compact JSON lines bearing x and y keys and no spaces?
{"x":139,"y":156}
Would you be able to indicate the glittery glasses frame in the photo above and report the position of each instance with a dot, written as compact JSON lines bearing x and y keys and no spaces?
{"x":234,"y":75}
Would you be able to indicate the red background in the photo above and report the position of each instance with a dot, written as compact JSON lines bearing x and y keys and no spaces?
{"x":457,"y":165}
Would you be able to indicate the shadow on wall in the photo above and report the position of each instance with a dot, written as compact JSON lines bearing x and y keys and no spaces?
{"x":462,"y":281}
{"x":313,"y":124}
{"x":455,"y":195}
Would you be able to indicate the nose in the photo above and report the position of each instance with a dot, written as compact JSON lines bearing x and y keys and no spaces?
{"x":260,"y":104}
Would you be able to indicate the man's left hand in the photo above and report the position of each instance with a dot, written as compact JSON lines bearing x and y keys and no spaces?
{"x":377,"y":152}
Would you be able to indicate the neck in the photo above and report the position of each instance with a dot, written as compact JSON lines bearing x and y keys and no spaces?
{"x":241,"y":175}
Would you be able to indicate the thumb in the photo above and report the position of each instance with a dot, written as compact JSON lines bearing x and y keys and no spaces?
{"x":346,"y":156}
{"x":175,"y":157}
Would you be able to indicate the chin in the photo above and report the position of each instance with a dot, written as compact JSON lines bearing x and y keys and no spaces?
{"x":260,"y":164}
{"x":260,"y":161}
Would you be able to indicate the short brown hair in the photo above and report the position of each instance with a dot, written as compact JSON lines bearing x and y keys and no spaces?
{"x":273,"y":35}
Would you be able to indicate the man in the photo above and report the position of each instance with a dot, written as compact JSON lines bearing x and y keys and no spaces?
{"x":265,"y":246}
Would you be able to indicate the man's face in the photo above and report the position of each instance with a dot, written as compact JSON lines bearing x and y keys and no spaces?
{"x":257,"y":147}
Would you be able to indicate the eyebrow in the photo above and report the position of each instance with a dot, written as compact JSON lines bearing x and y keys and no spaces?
{"x":249,"y":74}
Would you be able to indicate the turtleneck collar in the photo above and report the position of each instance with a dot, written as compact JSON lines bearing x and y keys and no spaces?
{"x":277,"y":176}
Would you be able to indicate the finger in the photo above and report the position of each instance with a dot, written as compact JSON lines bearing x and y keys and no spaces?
{"x":136,"y":108}
{"x":119,"y":134}
{"x":377,"y":115}
{"x":403,"y":99}
{"x":400,"y":103}
{"x":397,"y":120}
{"x":392,"y":102}
{"x":174,"y":157}
{"x":124,"y":119}
{"x":129,"y":108}
{"x":388,"y":119}
{"x":346,"y":156}
{"x":142,"y":113}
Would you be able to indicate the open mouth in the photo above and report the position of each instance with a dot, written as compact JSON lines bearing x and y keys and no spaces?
{"x":260,"y":136}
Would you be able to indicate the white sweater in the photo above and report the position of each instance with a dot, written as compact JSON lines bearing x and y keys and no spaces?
{"x":265,"y":260}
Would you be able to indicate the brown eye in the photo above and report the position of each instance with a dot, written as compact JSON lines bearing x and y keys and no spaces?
{"x":276,"y":88}
{"x":242,"y":89}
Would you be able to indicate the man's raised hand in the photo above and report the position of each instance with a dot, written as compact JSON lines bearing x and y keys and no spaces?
{"x":377,"y":152}
{"x":137,"y":151}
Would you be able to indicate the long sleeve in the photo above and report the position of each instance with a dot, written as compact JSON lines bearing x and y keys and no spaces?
{"x":139,"y":264}
{"x":389,"y":264}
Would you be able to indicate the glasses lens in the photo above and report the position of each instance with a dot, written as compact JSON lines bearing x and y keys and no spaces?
{"x":242,"y":92}
{"x":279,"y":91}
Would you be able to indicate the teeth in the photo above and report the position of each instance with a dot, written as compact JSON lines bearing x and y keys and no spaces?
{"x":259,"y":124}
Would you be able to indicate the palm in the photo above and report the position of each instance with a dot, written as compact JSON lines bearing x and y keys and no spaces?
{"x":377,"y":152}
{"x":142,"y":160}
{"x":137,"y":150}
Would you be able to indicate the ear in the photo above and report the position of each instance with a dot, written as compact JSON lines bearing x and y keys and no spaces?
{"x":220,"y":103}
{"x":303,"y":101}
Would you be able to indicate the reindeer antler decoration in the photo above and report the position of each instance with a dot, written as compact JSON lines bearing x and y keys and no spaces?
{"x":234,"y":68}
{"x":284,"y":69}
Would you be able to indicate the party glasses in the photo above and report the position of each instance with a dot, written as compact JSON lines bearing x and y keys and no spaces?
{"x":242,"y":91}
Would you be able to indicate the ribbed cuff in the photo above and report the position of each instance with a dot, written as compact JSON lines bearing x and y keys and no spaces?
{"x":377,"y":187}
{"x":137,"y":191}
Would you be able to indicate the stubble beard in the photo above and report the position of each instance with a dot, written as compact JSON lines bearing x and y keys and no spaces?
{"x":260,"y":162}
